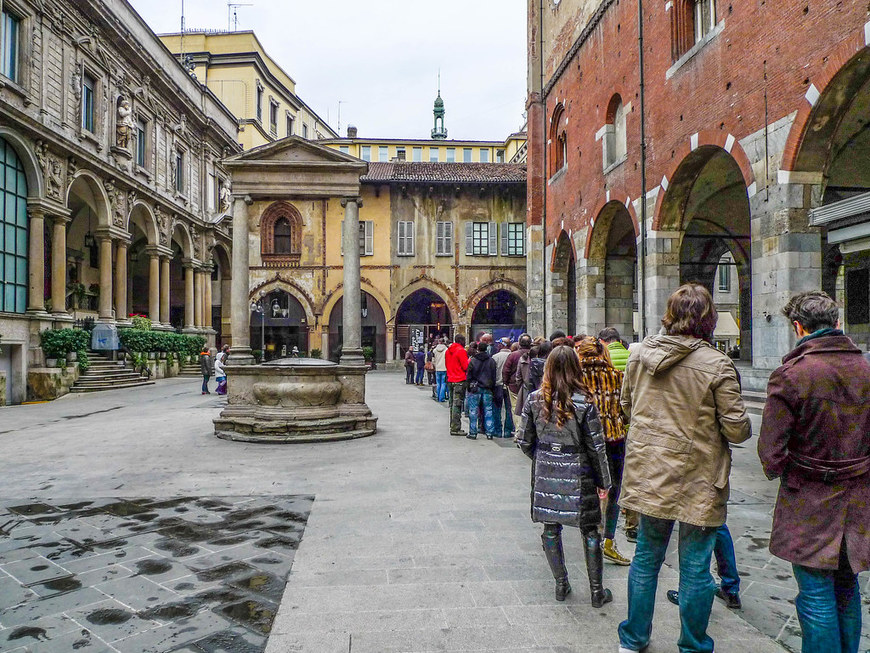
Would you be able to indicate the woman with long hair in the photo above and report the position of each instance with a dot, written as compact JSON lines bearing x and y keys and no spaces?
{"x":604,"y":383}
{"x":562,"y":435}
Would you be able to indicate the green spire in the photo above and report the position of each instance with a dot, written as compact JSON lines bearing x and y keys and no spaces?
{"x":439,"y":132}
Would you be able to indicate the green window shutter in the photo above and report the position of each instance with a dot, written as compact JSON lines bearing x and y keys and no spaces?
{"x":492,"y":230}
{"x":469,"y":238}
{"x":505,"y":245}
{"x":369,"y":237}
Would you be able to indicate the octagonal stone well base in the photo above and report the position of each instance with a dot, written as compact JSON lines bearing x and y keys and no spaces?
{"x":295,"y":400}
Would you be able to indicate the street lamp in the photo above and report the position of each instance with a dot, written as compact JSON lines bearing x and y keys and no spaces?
{"x":257,"y":307}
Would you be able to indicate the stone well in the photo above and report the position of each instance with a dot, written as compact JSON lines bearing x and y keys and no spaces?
{"x":295,"y":400}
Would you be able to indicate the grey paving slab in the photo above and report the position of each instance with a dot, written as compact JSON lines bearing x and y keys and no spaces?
{"x":111,"y":620}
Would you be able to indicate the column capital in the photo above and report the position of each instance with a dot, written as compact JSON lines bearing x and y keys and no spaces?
{"x":188,"y":263}
{"x":247,"y":199}
{"x":356,"y":200}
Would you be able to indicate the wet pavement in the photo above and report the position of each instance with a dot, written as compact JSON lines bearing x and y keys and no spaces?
{"x":199,"y":574}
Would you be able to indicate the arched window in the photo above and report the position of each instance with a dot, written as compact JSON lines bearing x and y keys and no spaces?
{"x":283,"y":236}
{"x":280,"y":235}
{"x":13,"y":223}
{"x":691,"y":21}
{"x":558,"y":140}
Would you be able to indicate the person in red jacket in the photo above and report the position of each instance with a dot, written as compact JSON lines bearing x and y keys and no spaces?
{"x":457,"y":364}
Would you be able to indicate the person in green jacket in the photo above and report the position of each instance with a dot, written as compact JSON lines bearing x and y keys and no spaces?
{"x":618,"y":353}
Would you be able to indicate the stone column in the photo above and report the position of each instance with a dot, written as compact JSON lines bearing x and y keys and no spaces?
{"x":105,"y":277}
{"x":324,"y":344}
{"x":154,"y":287}
{"x":36,"y":262}
{"x":197,"y":302}
{"x":240,"y":354}
{"x":58,"y":266}
{"x":188,"y":295}
{"x":206,"y":300}
{"x":351,"y":349}
{"x":164,"y":290}
{"x":120,"y":281}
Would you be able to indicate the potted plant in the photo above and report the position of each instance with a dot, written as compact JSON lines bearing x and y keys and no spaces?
{"x":316,"y":353}
{"x":369,"y":356}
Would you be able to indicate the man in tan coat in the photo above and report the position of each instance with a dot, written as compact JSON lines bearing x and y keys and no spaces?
{"x":682,"y":397}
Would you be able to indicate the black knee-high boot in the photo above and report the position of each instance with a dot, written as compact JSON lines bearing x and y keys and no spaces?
{"x":595,"y":569}
{"x":551,"y":538}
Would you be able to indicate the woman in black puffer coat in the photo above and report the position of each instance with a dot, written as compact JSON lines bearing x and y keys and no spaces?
{"x":562,"y":435}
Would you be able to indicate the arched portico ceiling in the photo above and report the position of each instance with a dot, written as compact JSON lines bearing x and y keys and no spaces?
{"x":839,"y":120}
{"x":708,"y":183}
{"x":142,"y":216}
{"x":493,"y":286}
{"x":25,"y":151}
{"x":365,"y":285}
{"x":563,"y":253}
{"x":181,"y":236}
{"x":87,"y":190}
{"x":439,"y":288}
{"x":419,"y":307}
{"x":614,"y":230}
{"x":224,"y":260}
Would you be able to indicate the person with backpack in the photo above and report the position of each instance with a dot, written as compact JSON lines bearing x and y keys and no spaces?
{"x":481,"y":385}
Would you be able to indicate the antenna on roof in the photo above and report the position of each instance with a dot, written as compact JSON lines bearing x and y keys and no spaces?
{"x":233,"y":14}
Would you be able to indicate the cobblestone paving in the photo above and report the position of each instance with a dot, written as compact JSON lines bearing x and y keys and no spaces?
{"x":198,"y":574}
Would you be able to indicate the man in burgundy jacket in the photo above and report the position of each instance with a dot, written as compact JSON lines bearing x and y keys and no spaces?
{"x":509,"y":370}
{"x":456,"y":360}
{"x":815,"y":437}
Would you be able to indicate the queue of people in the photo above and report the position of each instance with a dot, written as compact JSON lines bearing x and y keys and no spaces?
{"x":648,"y":429}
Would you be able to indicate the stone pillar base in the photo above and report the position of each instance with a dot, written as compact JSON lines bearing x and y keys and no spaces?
{"x":240,"y":356}
{"x":352,"y":357}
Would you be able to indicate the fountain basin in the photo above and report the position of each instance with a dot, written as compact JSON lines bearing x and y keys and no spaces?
{"x":295,"y":400}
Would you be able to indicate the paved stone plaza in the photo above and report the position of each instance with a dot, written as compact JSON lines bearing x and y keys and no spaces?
{"x":416,"y":541}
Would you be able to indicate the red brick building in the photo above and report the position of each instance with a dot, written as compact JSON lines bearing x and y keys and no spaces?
{"x":757,"y":130}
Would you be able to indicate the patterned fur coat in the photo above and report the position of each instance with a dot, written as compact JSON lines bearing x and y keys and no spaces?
{"x":605,"y":385}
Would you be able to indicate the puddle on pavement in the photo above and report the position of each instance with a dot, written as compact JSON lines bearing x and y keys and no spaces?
{"x":59,"y":585}
{"x":228,"y":642}
{"x":109,"y":616}
{"x":172,"y":611}
{"x":251,"y":614}
{"x":151,"y":567}
{"x":178,"y":549}
{"x":32,"y":509}
{"x":224,"y":572}
{"x":38,"y":634}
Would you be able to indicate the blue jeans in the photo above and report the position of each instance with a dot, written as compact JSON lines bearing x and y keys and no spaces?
{"x":501,"y":403}
{"x":829,"y":607}
{"x":441,"y":385}
{"x":419,"y":380}
{"x":205,"y":378}
{"x":725,"y":560}
{"x":696,"y":584}
{"x":484,"y":398}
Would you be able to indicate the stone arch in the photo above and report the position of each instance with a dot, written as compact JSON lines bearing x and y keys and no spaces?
{"x":338,"y":293}
{"x":225,"y":260}
{"x":558,"y":140}
{"x":696,"y":149}
{"x":25,"y":151}
{"x":184,"y":239}
{"x":489,"y":287}
{"x":813,"y":116}
{"x":562,"y":290}
{"x":439,"y":288}
{"x":604,"y":214}
{"x":87,"y":186}
{"x":143,"y":217}
{"x":280,"y":283}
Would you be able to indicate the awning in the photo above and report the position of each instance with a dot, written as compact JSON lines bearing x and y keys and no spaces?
{"x":726,"y":327}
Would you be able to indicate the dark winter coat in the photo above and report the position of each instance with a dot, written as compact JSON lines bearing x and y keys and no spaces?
{"x":409,"y":358}
{"x":564,"y":483}
{"x":481,"y":368}
{"x":509,"y":370}
{"x":420,"y":357}
{"x":818,"y":415}
{"x":522,"y":376}
{"x":536,"y":374}
{"x":206,"y":364}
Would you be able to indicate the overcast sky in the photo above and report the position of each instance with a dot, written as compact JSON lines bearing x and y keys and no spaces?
{"x":381,"y":58}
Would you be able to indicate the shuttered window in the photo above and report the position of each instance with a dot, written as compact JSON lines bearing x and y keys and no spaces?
{"x":366,"y":238}
{"x":405,"y":245}
{"x":481,"y":239}
{"x":444,"y":239}
{"x":513,"y":239}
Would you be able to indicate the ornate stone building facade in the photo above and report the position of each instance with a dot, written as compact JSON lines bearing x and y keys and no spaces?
{"x":113,"y":188}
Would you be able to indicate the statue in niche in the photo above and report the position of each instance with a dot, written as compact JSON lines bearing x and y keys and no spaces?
{"x":54,"y":179}
{"x":124,"y":124}
{"x":226,"y":196}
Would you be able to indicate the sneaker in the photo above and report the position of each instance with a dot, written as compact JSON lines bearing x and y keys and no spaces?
{"x":673,"y":596}
{"x":631,"y":534}
{"x":458,"y":433}
{"x":472,"y":436}
{"x":731,"y":600}
{"x":612,"y":554}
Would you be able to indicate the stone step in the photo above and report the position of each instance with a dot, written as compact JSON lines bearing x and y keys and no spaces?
{"x":754,"y":401}
{"x":118,"y":386}
{"x":129,"y":374}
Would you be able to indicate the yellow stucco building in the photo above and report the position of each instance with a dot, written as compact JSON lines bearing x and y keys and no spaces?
{"x":239,"y":71}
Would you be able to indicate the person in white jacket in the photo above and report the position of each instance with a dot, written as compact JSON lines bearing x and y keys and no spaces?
{"x":440,"y":360}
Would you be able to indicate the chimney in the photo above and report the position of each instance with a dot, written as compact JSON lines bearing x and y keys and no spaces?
{"x":351,"y":131}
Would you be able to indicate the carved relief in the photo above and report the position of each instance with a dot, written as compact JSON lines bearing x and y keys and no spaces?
{"x":54,"y":179}
{"x":124,"y":123}
{"x":196,"y":236}
{"x":162,"y":224}
{"x":116,"y":203}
